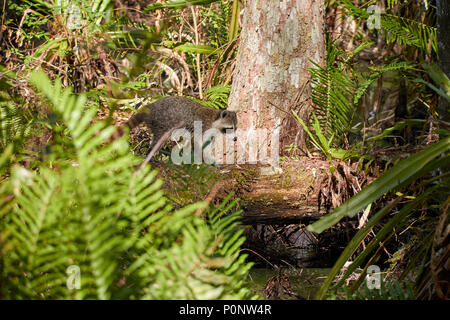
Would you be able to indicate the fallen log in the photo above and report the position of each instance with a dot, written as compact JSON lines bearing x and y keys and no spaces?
{"x":279,"y":215}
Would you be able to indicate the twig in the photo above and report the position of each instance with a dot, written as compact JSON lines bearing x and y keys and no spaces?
{"x":294,"y":101}
{"x":210,"y":197}
{"x":158,"y":145}
{"x":199,"y":72}
{"x":3,"y":13}
{"x":256,"y":253}
{"x":157,"y":19}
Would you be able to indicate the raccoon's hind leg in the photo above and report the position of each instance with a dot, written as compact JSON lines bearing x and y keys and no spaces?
{"x":157,"y":135}
{"x":161,"y":136}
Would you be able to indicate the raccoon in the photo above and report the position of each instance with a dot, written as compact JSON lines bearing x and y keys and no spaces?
{"x":168,"y":112}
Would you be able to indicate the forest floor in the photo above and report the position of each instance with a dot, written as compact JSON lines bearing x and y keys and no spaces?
{"x":277,"y":206}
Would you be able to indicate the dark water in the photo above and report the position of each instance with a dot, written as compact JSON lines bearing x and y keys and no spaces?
{"x":305,"y":282}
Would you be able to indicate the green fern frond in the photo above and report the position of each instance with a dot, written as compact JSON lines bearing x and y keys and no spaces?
{"x":217,"y":97}
{"x":93,"y":211}
{"x":15,"y":122}
{"x":332,"y":88}
{"x":191,"y":182}
{"x":399,"y":29}
{"x":409,"y":32}
{"x":71,"y":217}
{"x":204,"y":264}
{"x":392,"y":3}
{"x":388,"y":290}
{"x":336,"y":94}
{"x":376,"y":72}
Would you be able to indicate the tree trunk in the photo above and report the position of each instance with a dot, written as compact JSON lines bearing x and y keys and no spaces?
{"x":277,"y":40}
{"x":443,"y":40}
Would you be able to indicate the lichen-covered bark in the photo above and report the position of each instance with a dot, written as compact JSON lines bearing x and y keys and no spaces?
{"x":278,"y":39}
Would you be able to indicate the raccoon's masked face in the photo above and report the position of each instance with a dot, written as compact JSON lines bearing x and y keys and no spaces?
{"x":226,"y":123}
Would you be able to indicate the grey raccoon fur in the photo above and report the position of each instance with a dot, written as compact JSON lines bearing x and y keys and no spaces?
{"x":168,"y":112}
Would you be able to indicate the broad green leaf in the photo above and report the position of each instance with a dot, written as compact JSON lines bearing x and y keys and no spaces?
{"x":197,"y":48}
{"x":338,"y":153}
{"x":176,"y":4}
{"x":397,"y":126}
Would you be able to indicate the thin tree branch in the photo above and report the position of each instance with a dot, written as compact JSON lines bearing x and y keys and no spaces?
{"x":158,"y":145}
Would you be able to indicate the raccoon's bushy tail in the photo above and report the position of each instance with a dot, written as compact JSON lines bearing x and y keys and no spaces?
{"x":136,"y":119}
